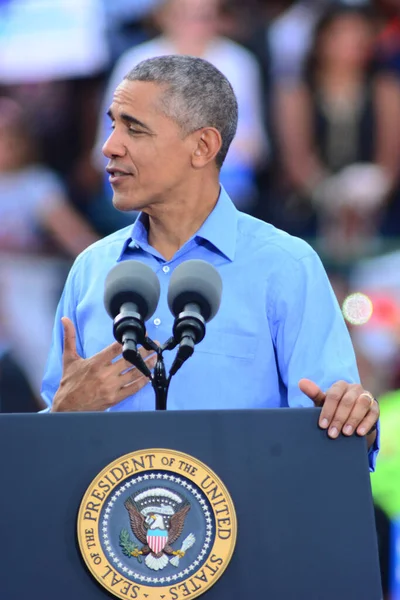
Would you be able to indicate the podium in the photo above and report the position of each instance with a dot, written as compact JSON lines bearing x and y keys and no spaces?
{"x":303,"y":502}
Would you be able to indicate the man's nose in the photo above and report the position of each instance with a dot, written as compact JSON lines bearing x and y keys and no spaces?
{"x":113,"y":146}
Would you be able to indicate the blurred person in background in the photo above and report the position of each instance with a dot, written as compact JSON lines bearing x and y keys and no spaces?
{"x":378,"y":278}
{"x":53,"y":55}
{"x":386,"y":484}
{"x":377,"y":346}
{"x":290,"y":34}
{"x":389,"y":39}
{"x":191,"y":27}
{"x":376,"y":342}
{"x":339,"y":140}
{"x":289,"y":37}
{"x":280,"y":38}
{"x":127,"y":23}
{"x":381,"y":374}
{"x":37,"y":224}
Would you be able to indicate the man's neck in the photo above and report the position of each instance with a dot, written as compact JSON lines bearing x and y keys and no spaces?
{"x":171,"y":225}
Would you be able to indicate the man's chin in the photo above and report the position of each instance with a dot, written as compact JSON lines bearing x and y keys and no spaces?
{"x":124,"y":203}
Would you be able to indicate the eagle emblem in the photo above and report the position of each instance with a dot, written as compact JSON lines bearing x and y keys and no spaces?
{"x":157,"y":518}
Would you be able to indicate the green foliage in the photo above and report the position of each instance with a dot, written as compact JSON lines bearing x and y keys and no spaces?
{"x":127,"y":545}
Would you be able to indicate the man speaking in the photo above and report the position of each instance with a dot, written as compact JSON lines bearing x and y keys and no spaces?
{"x":279,"y":338}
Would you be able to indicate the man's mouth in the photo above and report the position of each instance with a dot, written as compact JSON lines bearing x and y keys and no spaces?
{"x":116,"y":175}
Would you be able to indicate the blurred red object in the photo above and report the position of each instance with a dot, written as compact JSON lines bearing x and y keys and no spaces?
{"x":389,"y":38}
{"x":386,"y":310}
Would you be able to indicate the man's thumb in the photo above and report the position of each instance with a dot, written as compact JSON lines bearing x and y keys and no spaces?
{"x":311,"y":389}
{"x":70,"y":352}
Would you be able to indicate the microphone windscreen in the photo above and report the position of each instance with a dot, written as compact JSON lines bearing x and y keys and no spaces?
{"x":195,"y":281}
{"x":131,"y":281}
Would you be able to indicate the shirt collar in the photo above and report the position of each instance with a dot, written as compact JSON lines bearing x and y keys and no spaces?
{"x":219,"y":229}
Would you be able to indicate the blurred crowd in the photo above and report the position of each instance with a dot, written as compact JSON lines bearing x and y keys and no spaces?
{"x":317,"y":154}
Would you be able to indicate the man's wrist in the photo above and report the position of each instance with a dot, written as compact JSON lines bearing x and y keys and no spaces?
{"x":371,"y":437}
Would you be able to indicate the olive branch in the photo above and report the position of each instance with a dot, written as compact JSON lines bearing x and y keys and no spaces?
{"x":129,"y":548}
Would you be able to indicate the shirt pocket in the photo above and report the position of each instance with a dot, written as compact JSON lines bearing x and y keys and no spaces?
{"x":235,"y":345}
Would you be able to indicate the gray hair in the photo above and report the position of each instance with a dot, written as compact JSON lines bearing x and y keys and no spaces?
{"x":197,"y":95}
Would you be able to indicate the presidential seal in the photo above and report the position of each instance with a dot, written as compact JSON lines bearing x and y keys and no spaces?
{"x":157,"y":525}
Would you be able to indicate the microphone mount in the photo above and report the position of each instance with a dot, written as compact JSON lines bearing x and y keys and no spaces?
{"x":131,"y":295}
{"x":189,"y":329}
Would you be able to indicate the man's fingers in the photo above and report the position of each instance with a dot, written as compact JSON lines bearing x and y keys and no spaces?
{"x":345,"y":407}
{"x":128,"y":376}
{"x":347,"y":410}
{"x":311,"y":389}
{"x":370,"y":419}
{"x":131,"y":388}
{"x":108,"y":354}
{"x":134,"y":380}
{"x":333,"y":397}
{"x":121,"y":365}
{"x":360,"y":409}
{"x":70,"y":352}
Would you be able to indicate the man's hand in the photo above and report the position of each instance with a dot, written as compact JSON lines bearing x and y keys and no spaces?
{"x":346,"y":408}
{"x":96,"y":383}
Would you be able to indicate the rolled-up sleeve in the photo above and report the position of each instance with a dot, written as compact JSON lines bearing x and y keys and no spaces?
{"x":310,"y":334}
{"x":66,"y":308}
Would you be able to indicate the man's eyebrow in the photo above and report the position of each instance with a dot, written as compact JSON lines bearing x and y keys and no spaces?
{"x":129,"y":119}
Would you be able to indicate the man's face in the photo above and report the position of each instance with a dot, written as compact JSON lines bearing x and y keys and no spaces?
{"x":149,"y":159}
{"x":195,"y":20}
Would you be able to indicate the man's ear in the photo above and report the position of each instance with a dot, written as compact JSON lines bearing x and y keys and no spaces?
{"x":208,"y":144}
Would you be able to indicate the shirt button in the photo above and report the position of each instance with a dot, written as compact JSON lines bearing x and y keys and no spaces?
{"x":157,"y":322}
{"x":166,"y":269}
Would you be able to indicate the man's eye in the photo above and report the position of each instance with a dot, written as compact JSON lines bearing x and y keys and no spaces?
{"x":133,"y":130}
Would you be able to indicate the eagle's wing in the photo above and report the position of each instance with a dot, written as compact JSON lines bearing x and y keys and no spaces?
{"x":137,"y":521}
{"x":176,"y":524}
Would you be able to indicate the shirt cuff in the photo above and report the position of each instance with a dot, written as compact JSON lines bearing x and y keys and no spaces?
{"x":45,"y":410}
{"x":373,"y":451}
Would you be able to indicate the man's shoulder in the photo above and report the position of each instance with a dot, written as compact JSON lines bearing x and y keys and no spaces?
{"x":109,"y":247}
{"x":262,"y":237}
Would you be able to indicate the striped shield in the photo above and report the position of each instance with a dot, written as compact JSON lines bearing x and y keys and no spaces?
{"x":157,"y":539}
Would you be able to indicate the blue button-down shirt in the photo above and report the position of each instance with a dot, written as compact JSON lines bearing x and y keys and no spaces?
{"x":278,"y":322}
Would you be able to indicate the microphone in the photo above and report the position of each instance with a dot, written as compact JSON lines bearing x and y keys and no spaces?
{"x":131,"y":294}
{"x":194,"y":297}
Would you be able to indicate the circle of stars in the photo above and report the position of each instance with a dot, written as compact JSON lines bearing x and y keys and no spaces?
{"x":137,"y":576}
